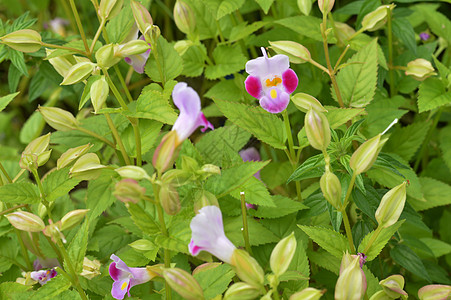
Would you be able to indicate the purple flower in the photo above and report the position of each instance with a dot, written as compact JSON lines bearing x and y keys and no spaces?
{"x":125,"y":278}
{"x":43,"y":276}
{"x":57,"y":25}
{"x":208,"y":234}
{"x":424,"y":36}
{"x":251,"y":154}
{"x":271,"y":81}
{"x":138,"y":61}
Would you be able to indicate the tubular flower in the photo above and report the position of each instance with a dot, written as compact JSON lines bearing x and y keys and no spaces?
{"x":271,"y":81}
{"x":208,"y":234}
{"x":125,"y":278}
{"x":43,"y":276}
{"x":138,"y":61}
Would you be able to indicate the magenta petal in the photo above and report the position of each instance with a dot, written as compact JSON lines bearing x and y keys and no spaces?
{"x":114,"y":272}
{"x":138,"y":61}
{"x":117,"y":291}
{"x":277,"y":104}
{"x":202,"y":121}
{"x":193,"y":249}
{"x":290,"y":81}
{"x":253,"y":86}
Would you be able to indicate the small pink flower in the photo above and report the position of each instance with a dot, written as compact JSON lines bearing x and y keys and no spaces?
{"x":271,"y":81}
{"x":43,"y":276}
{"x":208,"y":234}
{"x":138,"y":61}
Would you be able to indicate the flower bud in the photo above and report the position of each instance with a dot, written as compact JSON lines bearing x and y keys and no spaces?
{"x":380,"y":295}
{"x":184,"y":17}
{"x":210,"y":169}
{"x":377,"y":18}
{"x":152,"y":34}
{"x":142,"y":17}
{"x":109,"y":8}
{"x":343,"y":32}
{"x":61,"y":63}
{"x":72,"y":154}
{"x":78,"y":73}
{"x":331,"y":188}
{"x":420,"y":69}
{"x":365,"y":156}
{"x":36,"y":153}
{"x":317,"y":129}
{"x":434,"y":292}
{"x":297,"y":53}
{"x":282,"y":255}
{"x":25,"y":221}
{"x":133,"y":172}
{"x":305,"y":102}
{"x":305,"y":6}
{"x":106,"y":56}
{"x":183,"y":283}
{"x":24,"y":40}
{"x":247,"y":268}
{"x":53,"y":231}
{"x":169,"y":198}
{"x":166,"y":152}
{"x":241,"y":291}
{"x":393,"y":286}
{"x":58,"y":118}
{"x":325,"y":6}
{"x":350,"y":283}
{"x":182,"y":45}
{"x":128,"y":190}
{"x":391,"y":206}
{"x":307,"y":294}
{"x":91,"y":268}
{"x":204,"y":198}
{"x":99,"y":93}
{"x":132,"y":48}
{"x":73,"y":218}
{"x":86,"y":167}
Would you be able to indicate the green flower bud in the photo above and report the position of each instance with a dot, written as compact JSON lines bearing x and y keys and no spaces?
{"x":26,"y":221}
{"x":305,"y":6}
{"x":184,"y":17}
{"x":91,"y":268}
{"x":129,"y":190}
{"x":325,"y":6}
{"x":297,"y":53}
{"x":420,"y":69}
{"x":73,"y":218}
{"x":343,"y":32}
{"x":241,"y":291}
{"x":86,"y":167}
{"x":393,"y":286}
{"x":435,"y":292}
{"x":317,"y":129}
{"x":204,"y":198}
{"x":307,"y":294}
{"x":36,"y":153}
{"x":142,"y":17}
{"x":99,"y":93}
{"x":142,"y":245}
{"x":305,"y":102}
{"x":62,"y":64}
{"x":182,"y":46}
{"x":109,"y":8}
{"x":331,"y":188}
{"x":365,"y":156}
{"x":247,"y":268}
{"x":282,"y":255}
{"x":380,"y":295}
{"x":377,"y":18}
{"x":78,"y":73}
{"x":210,"y":169}
{"x":24,"y":40}
{"x":133,"y":172}
{"x":58,"y":118}
{"x":169,"y":198}
{"x":132,"y":48}
{"x":166,"y":153}
{"x":107,"y":56}
{"x":53,"y":231}
{"x":350,"y":283}
{"x":72,"y":154}
{"x":391,"y":206}
{"x":183,"y":283}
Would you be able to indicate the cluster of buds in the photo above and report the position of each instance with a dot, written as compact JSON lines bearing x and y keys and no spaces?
{"x":36,"y":154}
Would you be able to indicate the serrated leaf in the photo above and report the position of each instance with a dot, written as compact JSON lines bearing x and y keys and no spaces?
{"x":283,"y":206}
{"x":119,"y":27}
{"x":228,"y":60}
{"x":265,"y":4}
{"x":276,"y":174}
{"x":331,"y":241}
{"x":405,"y":141}
{"x":58,"y":183}
{"x":325,"y":260}
{"x":205,"y":20}
{"x":311,"y":168}
{"x":77,"y":247}
{"x":194,"y":60}
{"x":52,"y":288}
{"x":436,"y":194}
{"x":215,"y":281}
{"x":339,"y":116}
{"x":438,"y":247}
{"x":258,"y":234}
{"x":432,"y":94}
{"x":308,"y":26}
{"x":229,"y":90}
{"x":149,"y":131}
{"x":143,"y":219}
{"x":227,"y":7}
{"x":20,"y":192}
{"x":255,"y":192}
{"x":170,"y":62}
{"x":99,"y":197}
{"x":403,"y":30}
{"x":5,"y":100}
{"x":406,"y":258}
{"x":263,"y":125}
{"x":358,"y":80}
{"x":18,"y":61}
{"x":153,"y":105}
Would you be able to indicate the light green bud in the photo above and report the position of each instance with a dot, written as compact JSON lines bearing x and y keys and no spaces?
{"x":391,"y":206}
{"x":166,"y":153}
{"x":307,"y":294}
{"x":133,"y":172}
{"x":142,"y":245}
{"x":72,"y":154}
{"x":420,"y":69}
{"x":435,"y":292}
{"x":343,"y":32}
{"x":183,"y":283}
{"x":241,"y":291}
{"x":380,"y":295}
{"x":365,"y":156}
{"x":62,"y":64}
{"x":99,"y":93}
{"x":182,"y":46}
{"x":109,"y":8}
{"x":78,"y":73}
{"x":377,"y":18}
{"x":132,"y":48}
{"x":325,"y":6}
{"x":393,"y":286}
{"x":58,"y":118}
{"x":91,"y":268}
{"x":317,"y":129}
{"x":305,"y":6}
{"x":184,"y":17}
{"x":297,"y":53}
{"x":169,"y":198}
{"x":350,"y":285}
{"x":36,"y":153}
{"x":305,"y":102}
{"x":247,"y":268}
{"x":331,"y":188}
{"x":26,"y":221}
{"x":106,"y":56}
{"x":86,"y":167}
{"x":24,"y":40}
{"x":282,"y":254}
{"x":142,"y":17}
{"x":73,"y":218}
{"x":128,"y":190}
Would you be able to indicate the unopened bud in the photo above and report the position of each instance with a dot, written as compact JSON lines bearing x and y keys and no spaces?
{"x":61,"y":63}
{"x":72,"y":154}
{"x":325,"y":6}
{"x":24,"y":40}
{"x":182,"y":46}
{"x":152,"y":33}
{"x":53,"y":231}
{"x":142,"y":245}
{"x":393,"y":286}
{"x":73,"y":218}
{"x":331,"y":188}
{"x":210,"y":169}
{"x":106,"y":56}
{"x":128,"y":190}
{"x":169,"y":198}
{"x":78,"y":73}
{"x":380,"y":295}
{"x":132,"y":48}
{"x":183,"y":283}
{"x":91,"y":268}
{"x":305,"y":6}
{"x":391,"y":206}
{"x":305,"y":102}
{"x":241,"y":291}
{"x":99,"y":93}
{"x":189,"y":164}
{"x":36,"y":153}
{"x":26,"y":221}
{"x":142,"y":17}
{"x":435,"y":292}
{"x":365,"y":156}
{"x":58,"y":118}
{"x":297,"y":53}
{"x":109,"y":8}
{"x":317,"y":129}
{"x":204,"y":198}
{"x":350,"y":283}
{"x":343,"y":32}
{"x":184,"y":17}
{"x":282,"y":254}
{"x":247,"y":268}
{"x":307,"y":294}
{"x":420,"y":69}
{"x":87,"y":167}
{"x":166,"y":152}
{"x":377,"y":18}
{"x":133,"y":172}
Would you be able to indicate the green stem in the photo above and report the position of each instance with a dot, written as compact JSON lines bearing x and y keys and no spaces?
{"x":350,"y":187}
{"x":348,"y":230}
{"x":63,"y":47}
{"x":56,"y":250}
{"x":115,"y":90}
{"x":97,"y":136}
{"x":341,"y":58}
{"x":10,"y":209}
{"x":425,"y":144}
{"x":42,"y":192}
{"x":390,"y":53}
{"x":96,"y":37}
{"x":5,"y":173}
{"x":372,"y":239}
{"x":135,"y":125}
{"x":245,"y":226}
{"x":117,"y":138}
{"x":80,"y":27}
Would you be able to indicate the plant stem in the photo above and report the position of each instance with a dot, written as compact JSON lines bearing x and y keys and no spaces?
{"x":10,"y":209}
{"x":319,"y":66}
{"x":117,"y":138}
{"x":5,"y":173}
{"x":348,"y":230}
{"x":350,"y":187}
{"x":96,"y":37}
{"x":135,"y":125}
{"x":390,"y":53}
{"x":115,"y":90}
{"x":373,"y":238}
{"x":97,"y":136}
{"x":80,"y":27}
{"x":42,"y":191}
{"x":341,"y":58}
{"x":245,"y":226}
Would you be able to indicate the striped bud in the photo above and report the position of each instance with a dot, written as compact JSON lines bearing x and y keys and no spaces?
{"x":420,"y":69}
{"x":128,"y":190}
{"x":331,"y":188}
{"x":393,"y":286}
{"x":435,"y":292}
{"x":317,"y":129}
{"x":297,"y":53}
{"x":325,"y":6}
{"x":106,"y":56}
{"x":247,"y":268}
{"x":142,"y":16}
{"x":183,"y":283}
{"x":282,"y":254}
{"x":72,"y":154}
{"x":241,"y":291}
{"x":365,"y":156}
{"x":166,"y":153}
{"x":109,"y":8}
{"x":99,"y":93}
{"x":377,"y":18}
{"x":26,"y":221}
{"x":184,"y":17}
{"x":24,"y":40}
{"x":350,"y":283}
{"x":62,"y":64}
{"x":132,"y":48}
{"x":87,"y":167}
{"x":73,"y":218}
{"x":78,"y":73}
{"x":343,"y":32}
{"x":307,"y":294}
{"x":169,"y":198}
{"x":305,"y":102}
{"x":133,"y":172}
{"x":58,"y":118}
{"x":391,"y":206}
{"x":36,"y":153}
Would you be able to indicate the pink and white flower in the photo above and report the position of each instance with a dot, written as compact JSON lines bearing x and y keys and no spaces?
{"x":43,"y":276}
{"x":271,"y":81}
{"x":208,"y":234}
{"x":138,"y":61}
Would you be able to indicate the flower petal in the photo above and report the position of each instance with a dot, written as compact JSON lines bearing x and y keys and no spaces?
{"x":118,"y":268}
{"x":202,"y":121}
{"x":290,"y":81}
{"x":275,"y":101}
{"x":253,"y":86}
{"x":120,"y":288}
{"x":140,"y":275}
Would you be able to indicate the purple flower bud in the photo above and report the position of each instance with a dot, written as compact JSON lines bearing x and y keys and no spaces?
{"x":424,"y":36}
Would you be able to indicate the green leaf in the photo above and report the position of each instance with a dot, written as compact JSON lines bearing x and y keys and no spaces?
{"x":215,"y":281}
{"x":99,"y":197}
{"x":18,"y":61}
{"x":229,"y":90}
{"x":86,"y":95}
{"x":52,"y":288}
{"x":436,"y":194}
{"x":227,"y":7}
{"x":325,"y":260}
{"x":265,"y":5}
{"x":20,"y":192}
{"x":143,"y":219}
{"x":58,"y":183}
{"x":194,"y":60}
{"x":38,"y":85}
{"x":228,"y":60}
{"x":403,"y":30}
{"x":169,"y":61}
{"x":258,"y":234}
{"x":243,"y":30}
{"x":438,"y":247}
{"x":312,"y":167}
{"x":299,"y":266}
{"x":14,"y":76}
{"x":371,"y":281}
{"x":13,"y":290}
{"x":339,"y":116}
{"x":445,"y":145}
{"x":255,"y":192}
{"x":284,"y":206}
{"x":78,"y":245}
{"x":380,"y":242}
{"x":119,"y":27}
{"x":8,"y":253}
{"x":406,"y":258}
{"x":276,"y":174}
{"x":358,"y":80}
{"x":439,"y":23}
{"x":331,"y":241}
{"x":149,"y":131}
{"x":205,"y":20}
{"x":432,"y":94}
{"x":306,"y":25}
{"x":153,"y":105}
{"x":263,"y":125}
{"x":77,"y":44}
{"x":5,"y":100}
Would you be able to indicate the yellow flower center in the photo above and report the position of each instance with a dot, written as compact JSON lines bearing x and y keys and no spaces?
{"x":274,"y":82}
{"x":273,"y":94}
{"x":124,"y":285}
